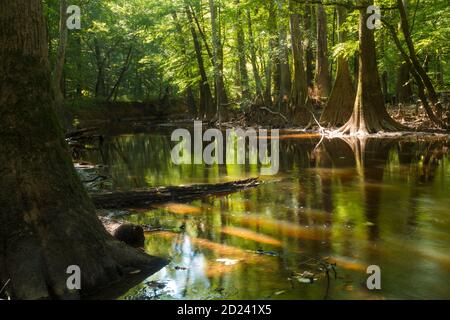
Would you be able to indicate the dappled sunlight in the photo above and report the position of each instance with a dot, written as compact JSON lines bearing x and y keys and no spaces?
{"x":250,"y":235}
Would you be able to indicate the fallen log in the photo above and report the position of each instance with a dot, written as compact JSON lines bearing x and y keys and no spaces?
{"x":81,"y":133}
{"x":145,"y":198}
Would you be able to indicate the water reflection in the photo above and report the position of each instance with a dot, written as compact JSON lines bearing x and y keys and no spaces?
{"x":351,"y":202}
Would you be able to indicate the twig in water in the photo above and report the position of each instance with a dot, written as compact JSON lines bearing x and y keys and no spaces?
{"x":4,"y":286}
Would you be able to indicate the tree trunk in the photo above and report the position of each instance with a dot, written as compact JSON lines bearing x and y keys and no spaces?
{"x":323,"y":80}
{"x":243,"y":73}
{"x":369,"y":111}
{"x":431,"y":92}
{"x":272,"y":71}
{"x":190,"y":100}
{"x":403,"y":86}
{"x":61,"y":54}
{"x":221,"y":96}
{"x":256,"y":75}
{"x":47,"y":221}
{"x":284,"y":68}
{"x":206,"y":98}
{"x":119,"y":80}
{"x":100,"y":89}
{"x":309,"y":54}
{"x":299,"y":93}
{"x":342,"y":99}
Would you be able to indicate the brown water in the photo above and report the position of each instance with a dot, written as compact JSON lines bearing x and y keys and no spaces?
{"x":350,"y":203}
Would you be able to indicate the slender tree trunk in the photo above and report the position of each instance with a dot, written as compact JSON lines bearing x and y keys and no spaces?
{"x":61,"y":54}
{"x":221,"y":96}
{"x":342,"y":99}
{"x":285,"y":71}
{"x":299,"y":93}
{"x":419,"y":81}
{"x":323,"y":80}
{"x":243,"y":72}
{"x":126,"y":65}
{"x":273,"y":67}
{"x":369,"y":112}
{"x":100,"y":89}
{"x":79,"y":85}
{"x":404,"y":85}
{"x":431,"y":92}
{"x":309,"y":54}
{"x":206,"y":98}
{"x":47,"y":221}
{"x":190,"y":100}
{"x":256,"y":75}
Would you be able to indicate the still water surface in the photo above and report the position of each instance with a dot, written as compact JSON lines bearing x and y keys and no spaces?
{"x":336,"y":205}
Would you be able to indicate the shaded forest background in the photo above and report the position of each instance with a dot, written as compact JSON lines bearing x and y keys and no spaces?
{"x":209,"y":55}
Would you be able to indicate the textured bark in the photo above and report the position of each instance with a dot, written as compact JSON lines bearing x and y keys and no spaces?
{"x":369,"y":112}
{"x":342,"y":99}
{"x":61,"y":54}
{"x":323,"y":80}
{"x":47,"y":221}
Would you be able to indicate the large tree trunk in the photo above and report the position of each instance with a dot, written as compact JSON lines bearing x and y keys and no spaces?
{"x":299,"y":93}
{"x":61,"y":54}
{"x":47,"y":221}
{"x":369,"y":112}
{"x":342,"y":99}
{"x":323,"y":80}
{"x":284,"y":68}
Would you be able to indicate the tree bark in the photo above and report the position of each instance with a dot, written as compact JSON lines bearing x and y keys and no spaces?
{"x":342,"y":99}
{"x":61,"y":54}
{"x":256,"y":75}
{"x":369,"y":111}
{"x":206,"y":98}
{"x":47,"y":221}
{"x":241,"y":48}
{"x":221,"y":95}
{"x":431,"y":92}
{"x":299,"y":93}
{"x":323,"y":80}
{"x":309,"y":54}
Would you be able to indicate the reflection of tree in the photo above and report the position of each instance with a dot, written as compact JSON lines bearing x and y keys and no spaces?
{"x":371,"y":155}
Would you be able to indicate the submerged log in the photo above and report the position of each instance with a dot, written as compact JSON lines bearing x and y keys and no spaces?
{"x":147,"y":197}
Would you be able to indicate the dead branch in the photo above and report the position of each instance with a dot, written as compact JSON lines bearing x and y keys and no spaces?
{"x":145,"y":198}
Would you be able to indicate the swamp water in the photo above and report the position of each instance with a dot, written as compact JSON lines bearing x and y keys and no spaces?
{"x":310,"y":232}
